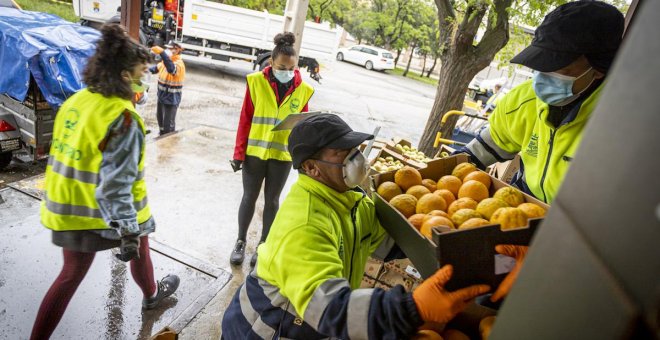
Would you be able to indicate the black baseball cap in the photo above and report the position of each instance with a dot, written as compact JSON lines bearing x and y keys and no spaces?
{"x":590,"y":28}
{"x":324,"y":130}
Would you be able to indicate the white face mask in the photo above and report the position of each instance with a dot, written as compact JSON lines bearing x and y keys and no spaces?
{"x":283,"y":76}
{"x":354,"y":168}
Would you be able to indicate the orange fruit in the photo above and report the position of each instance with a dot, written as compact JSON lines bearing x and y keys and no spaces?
{"x":478,"y":176}
{"x":474,"y":223}
{"x":509,"y":218}
{"x":407,"y":177}
{"x":388,"y":190}
{"x":417,"y":220}
{"x":405,"y":204}
{"x":435,"y":221}
{"x":426,"y":334}
{"x":532,"y":210}
{"x":488,"y":206}
{"x":461,"y":203}
{"x":485,"y":326}
{"x":446,"y":194}
{"x":430,"y":202}
{"x":473,"y":189}
{"x":451,"y":183}
{"x":463,"y":215}
{"x":510,"y":195}
{"x":436,"y":213}
{"x":418,"y":191}
{"x":463,"y":169}
{"x":430,"y":184}
{"x":452,"y":334}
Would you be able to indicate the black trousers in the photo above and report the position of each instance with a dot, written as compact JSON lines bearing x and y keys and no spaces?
{"x":255,"y":172}
{"x":166,"y":116}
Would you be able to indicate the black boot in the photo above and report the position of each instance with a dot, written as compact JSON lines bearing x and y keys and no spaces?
{"x":238,"y":254}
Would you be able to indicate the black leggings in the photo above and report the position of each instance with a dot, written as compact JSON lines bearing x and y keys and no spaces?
{"x":255,"y":170}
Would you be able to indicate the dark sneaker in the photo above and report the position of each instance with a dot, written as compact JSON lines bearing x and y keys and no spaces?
{"x":166,"y":287}
{"x":238,"y":254}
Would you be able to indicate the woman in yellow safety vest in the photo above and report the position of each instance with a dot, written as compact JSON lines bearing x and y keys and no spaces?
{"x":95,"y":195}
{"x":272,"y":94}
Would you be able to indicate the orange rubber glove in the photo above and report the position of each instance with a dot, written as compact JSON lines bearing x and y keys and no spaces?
{"x":157,"y":49}
{"x":435,"y":304}
{"x":518,"y":253}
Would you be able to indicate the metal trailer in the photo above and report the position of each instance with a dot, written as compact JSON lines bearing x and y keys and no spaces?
{"x":29,"y":126}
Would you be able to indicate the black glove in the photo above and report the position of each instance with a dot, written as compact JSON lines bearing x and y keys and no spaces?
{"x":129,"y":248}
{"x":236,"y":164}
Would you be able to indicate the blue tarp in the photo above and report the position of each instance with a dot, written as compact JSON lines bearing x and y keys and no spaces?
{"x":54,"y":50}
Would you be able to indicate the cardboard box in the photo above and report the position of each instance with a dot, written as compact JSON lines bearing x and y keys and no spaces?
{"x":505,"y":171}
{"x":391,"y":146}
{"x":424,"y":253}
{"x":444,"y":148}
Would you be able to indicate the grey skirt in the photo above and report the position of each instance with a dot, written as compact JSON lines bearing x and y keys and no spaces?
{"x":90,"y":241}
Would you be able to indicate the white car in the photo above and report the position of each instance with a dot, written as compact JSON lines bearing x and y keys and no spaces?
{"x":372,"y":58}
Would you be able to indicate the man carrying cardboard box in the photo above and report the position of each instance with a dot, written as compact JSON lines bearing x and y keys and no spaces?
{"x":306,"y":281}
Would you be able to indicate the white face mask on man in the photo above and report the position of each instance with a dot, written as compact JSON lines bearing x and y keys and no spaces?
{"x":354,"y":168}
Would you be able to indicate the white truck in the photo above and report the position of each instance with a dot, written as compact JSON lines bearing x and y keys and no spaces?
{"x":215,"y":33}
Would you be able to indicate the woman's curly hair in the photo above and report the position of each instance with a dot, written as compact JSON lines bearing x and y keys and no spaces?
{"x":115,"y":52}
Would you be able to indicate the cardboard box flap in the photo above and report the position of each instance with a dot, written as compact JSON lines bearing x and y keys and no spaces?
{"x":472,"y":249}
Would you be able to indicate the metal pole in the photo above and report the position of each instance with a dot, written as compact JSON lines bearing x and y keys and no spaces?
{"x":130,"y":17}
{"x":295,"y":14}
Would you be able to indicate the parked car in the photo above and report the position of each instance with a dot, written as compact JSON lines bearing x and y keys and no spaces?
{"x":372,"y":58}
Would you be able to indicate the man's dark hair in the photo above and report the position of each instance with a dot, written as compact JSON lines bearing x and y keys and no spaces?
{"x":115,"y":52}
{"x":284,"y":45}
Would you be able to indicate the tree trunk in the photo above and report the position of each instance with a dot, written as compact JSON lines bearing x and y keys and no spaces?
{"x":396,"y":60}
{"x":428,"y":74}
{"x":423,"y":67}
{"x":412,"y":51}
{"x":456,"y":73}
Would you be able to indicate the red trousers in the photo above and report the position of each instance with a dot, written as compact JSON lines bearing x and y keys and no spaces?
{"x":76,"y":265}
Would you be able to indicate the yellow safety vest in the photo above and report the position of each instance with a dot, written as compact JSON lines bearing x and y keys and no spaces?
{"x":262,"y":142}
{"x":519,"y":125}
{"x":72,"y":174}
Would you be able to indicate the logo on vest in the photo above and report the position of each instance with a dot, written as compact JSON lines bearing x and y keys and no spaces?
{"x":295,"y":104}
{"x":71,"y":118}
{"x":533,"y":146}
{"x":341,"y":246}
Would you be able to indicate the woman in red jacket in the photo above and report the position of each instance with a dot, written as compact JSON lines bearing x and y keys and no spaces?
{"x":272,"y":94}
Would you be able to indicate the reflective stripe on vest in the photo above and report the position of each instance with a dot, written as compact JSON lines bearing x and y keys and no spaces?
{"x":72,"y":173}
{"x":171,"y":81}
{"x":262,"y":141}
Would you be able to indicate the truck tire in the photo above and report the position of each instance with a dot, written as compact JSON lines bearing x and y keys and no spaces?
{"x":340,"y":56}
{"x":264,"y":63}
{"x":369,"y":65}
{"x":5,"y":159}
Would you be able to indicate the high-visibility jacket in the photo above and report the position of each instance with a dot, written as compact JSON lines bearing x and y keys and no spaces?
{"x":171,"y":74}
{"x":72,"y":174}
{"x":306,"y":281}
{"x":262,"y":141}
{"x":519,"y":124}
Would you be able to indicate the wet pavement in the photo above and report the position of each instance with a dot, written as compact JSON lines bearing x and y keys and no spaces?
{"x":107,"y":305}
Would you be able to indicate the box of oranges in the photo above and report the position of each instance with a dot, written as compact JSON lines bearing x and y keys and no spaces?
{"x":450,"y":210}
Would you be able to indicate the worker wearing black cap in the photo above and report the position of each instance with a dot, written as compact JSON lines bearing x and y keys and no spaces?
{"x":543,"y":119}
{"x":305,"y":283}
{"x":171,"y":74}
